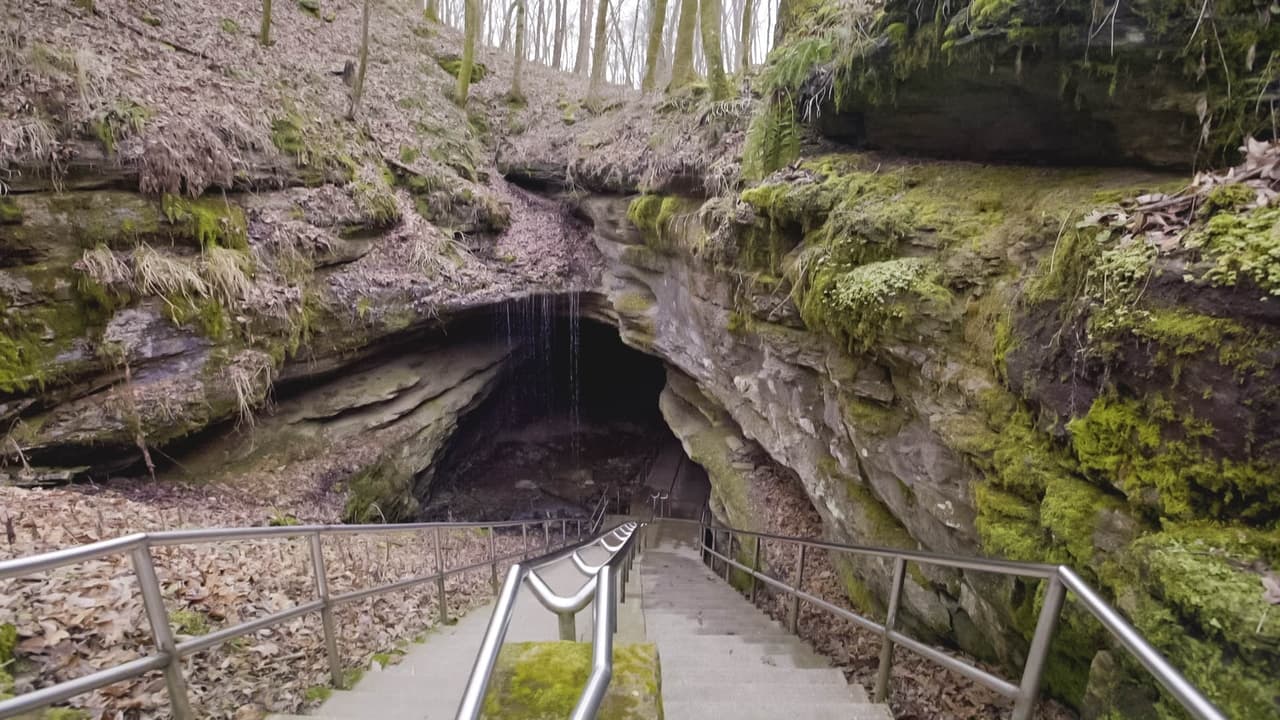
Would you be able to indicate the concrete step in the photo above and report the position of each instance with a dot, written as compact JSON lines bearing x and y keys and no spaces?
{"x":764,"y":674}
{"x":702,"y":709}
{"x":754,"y":693}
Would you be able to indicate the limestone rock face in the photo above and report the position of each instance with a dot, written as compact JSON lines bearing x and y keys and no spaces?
{"x":944,"y":367}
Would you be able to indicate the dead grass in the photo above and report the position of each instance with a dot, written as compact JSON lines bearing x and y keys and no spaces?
{"x":104,"y":266}
{"x":155,"y":273}
{"x":227,"y":274}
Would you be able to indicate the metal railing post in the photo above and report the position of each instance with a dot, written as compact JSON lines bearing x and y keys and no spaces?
{"x":524,"y":541}
{"x":493,"y":559}
{"x":1029,"y":688}
{"x":793,"y":618}
{"x":891,"y":618}
{"x":546,"y":535}
{"x":755,"y":568}
{"x":564,"y":531}
{"x":567,"y":629}
{"x":161,"y":633}
{"x":440,"y":592}
{"x":728,"y":553}
{"x":326,"y":610}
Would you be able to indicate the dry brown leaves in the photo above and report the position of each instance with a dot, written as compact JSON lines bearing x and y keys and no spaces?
{"x":1165,"y":218}
{"x":920,"y":689}
{"x":89,"y":616}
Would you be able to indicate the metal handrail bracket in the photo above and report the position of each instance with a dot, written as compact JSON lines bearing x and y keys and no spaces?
{"x":598,"y":588}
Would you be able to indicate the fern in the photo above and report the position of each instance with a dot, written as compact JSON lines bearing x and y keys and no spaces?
{"x":773,"y":140}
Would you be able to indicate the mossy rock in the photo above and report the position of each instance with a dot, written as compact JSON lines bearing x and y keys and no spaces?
{"x":939,"y":79}
{"x":211,"y":221}
{"x":452,"y":64}
{"x":311,"y":7}
{"x":543,"y":681}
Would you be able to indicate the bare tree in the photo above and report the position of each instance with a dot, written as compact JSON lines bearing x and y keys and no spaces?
{"x":682,"y":72}
{"x":711,"y":50}
{"x":746,"y":28}
{"x":264,"y":36}
{"x":598,"y":52}
{"x":516,"y":92}
{"x":557,"y":54}
{"x":471,"y":25}
{"x":357,"y":87}
{"x":582,"y":61}
{"x":653,"y":49}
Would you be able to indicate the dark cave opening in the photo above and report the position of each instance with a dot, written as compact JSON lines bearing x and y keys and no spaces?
{"x":574,"y":418}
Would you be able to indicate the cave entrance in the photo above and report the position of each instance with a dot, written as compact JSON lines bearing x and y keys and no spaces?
{"x":574,"y":419}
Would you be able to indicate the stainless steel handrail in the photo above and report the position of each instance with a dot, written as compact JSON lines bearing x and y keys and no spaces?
{"x":168,"y":653}
{"x":598,"y":588}
{"x":1060,"y":579}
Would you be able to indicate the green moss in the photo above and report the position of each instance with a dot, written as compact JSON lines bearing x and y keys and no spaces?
{"x":1161,"y":461}
{"x":1195,"y":593}
{"x":863,"y":304}
{"x":545,"y":680}
{"x":190,"y":622}
{"x":382,"y":492}
{"x":10,"y":212}
{"x":122,"y":120}
{"x":229,"y":26}
{"x":1242,"y":246}
{"x":287,"y":135}
{"x":8,"y":643}
{"x":452,"y":64}
{"x":409,"y":154}
{"x":669,"y":223}
{"x":213,"y":222}
{"x":351,"y":676}
{"x":310,"y":7}
{"x":317,"y":694}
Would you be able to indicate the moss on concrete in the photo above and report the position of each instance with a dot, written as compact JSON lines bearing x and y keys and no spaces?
{"x":543,"y":681}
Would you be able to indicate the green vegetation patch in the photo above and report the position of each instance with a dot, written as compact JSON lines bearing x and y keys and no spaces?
{"x":212,"y":221}
{"x":1194,"y":590}
{"x":543,"y":681}
{"x":669,"y":223}
{"x":1162,"y":462}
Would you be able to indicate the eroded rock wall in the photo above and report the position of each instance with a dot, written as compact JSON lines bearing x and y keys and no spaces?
{"x":902,"y":338}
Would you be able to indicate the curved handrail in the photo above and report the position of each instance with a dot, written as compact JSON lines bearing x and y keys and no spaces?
{"x":1060,"y":579}
{"x":169,"y":653}
{"x":599,"y":587}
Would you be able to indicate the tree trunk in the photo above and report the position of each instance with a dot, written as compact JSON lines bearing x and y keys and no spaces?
{"x":264,"y":36}
{"x":653,"y":50}
{"x":516,"y":92}
{"x":744,"y":39}
{"x":711,"y":50}
{"x":557,"y":54}
{"x":506,"y":25}
{"x":432,"y":11}
{"x":471,"y":23}
{"x":581,"y":62}
{"x":682,"y":63}
{"x":620,"y":46}
{"x":357,"y":87}
{"x":598,"y":52}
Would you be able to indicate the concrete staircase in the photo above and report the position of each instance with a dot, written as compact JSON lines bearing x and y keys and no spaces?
{"x":722,"y":657}
{"x":719,"y":655}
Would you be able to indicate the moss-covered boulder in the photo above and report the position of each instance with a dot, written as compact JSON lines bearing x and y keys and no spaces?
{"x":543,"y":681}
